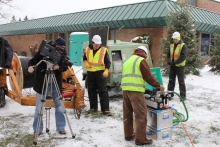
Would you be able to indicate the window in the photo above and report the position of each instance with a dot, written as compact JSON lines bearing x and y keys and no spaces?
{"x":205,"y":41}
{"x":50,"y":37}
{"x":192,"y":2}
{"x":62,"y":35}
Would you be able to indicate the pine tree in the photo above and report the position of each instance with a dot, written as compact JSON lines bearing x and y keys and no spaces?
{"x":26,"y":18}
{"x":181,"y":22}
{"x":215,"y":54}
{"x":13,"y":17}
{"x":144,"y":38}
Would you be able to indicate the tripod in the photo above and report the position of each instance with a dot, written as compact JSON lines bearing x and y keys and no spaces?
{"x":49,"y":79}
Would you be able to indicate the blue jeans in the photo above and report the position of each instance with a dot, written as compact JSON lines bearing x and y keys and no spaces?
{"x":59,"y":115}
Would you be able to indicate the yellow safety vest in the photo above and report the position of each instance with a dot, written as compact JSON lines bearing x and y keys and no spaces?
{"x":96,"y":61}
{"x":132,"y":79}
{"x":177,"y":53}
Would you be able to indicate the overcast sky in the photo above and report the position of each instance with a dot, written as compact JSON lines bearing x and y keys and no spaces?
{"x":44,"y":8}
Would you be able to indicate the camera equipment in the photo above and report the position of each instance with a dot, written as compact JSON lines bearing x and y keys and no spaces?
{"x":49,"y":79}
{"x":49,"y":52}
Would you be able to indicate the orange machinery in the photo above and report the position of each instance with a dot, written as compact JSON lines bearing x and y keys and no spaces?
{"x":73,"y":93}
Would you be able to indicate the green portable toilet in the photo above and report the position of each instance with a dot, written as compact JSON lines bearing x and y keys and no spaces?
{"x":157,"y":74}
{"x":76,"y":46}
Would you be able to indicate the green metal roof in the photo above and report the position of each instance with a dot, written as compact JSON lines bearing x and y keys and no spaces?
{"x":136,"y":15}
{"x":204,"y":20}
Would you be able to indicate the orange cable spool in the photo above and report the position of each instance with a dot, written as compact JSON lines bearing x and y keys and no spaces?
{"x":20,"y":68}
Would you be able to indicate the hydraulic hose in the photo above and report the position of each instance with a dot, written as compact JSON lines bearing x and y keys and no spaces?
{"x":179,"y":117}
{"x":176,"y":121}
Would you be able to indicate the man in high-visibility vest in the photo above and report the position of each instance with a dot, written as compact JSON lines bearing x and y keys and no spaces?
{"x":135,"y":74}
{"x":97,"y":63}
{"x":176,"y":58}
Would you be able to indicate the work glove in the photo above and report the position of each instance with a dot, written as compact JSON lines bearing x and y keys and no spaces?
{"x":105,"y":73}
{"x":86,"y":63}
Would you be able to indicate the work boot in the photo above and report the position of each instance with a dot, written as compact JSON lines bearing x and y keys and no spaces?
{"x":183,"y":98}
{"x":170,"y":98}
{"x":35,"y":134}
{"x":62,"y":132}
{"x":130,"y":138}
{"x":148,"y":141}
{"x":91,"y":111}
{"x":107,"y":113}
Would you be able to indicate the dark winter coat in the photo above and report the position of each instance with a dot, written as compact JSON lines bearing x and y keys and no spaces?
{"x":6,"y":53}
{"x":40,"y":72}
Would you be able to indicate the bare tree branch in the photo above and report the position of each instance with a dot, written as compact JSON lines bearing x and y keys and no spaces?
{"x":5,"y":7}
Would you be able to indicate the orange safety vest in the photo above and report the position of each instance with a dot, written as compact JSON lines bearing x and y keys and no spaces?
{"x":96,"y":61}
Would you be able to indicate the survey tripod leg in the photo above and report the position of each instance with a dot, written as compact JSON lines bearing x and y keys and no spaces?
{"x":48,"y":114}
{"x":40,"y":110}
{"x":49,"y":78}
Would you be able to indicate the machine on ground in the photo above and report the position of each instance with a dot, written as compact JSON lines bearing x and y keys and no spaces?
{"x":161,"y":117}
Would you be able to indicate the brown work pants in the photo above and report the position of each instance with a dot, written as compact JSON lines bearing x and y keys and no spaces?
{"x":134,"y":103}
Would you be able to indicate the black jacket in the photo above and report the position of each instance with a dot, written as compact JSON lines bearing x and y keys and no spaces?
{"x":6,"y":53}
{"x":40,"y":72}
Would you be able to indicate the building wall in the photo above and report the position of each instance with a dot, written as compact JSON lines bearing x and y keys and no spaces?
{"x":21,"y":43}
{"x":156,"y":33}
{"x":211,"y":5}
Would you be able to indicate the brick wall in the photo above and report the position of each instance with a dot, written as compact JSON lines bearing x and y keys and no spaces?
{"x":157,"y":34}
{"x":23,"y":42}
{"x":209,"y":5}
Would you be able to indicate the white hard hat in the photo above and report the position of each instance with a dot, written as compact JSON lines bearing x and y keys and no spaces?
{"x":143,"y":48}
{"x":176,"y":35}
{"x":97,"y":39}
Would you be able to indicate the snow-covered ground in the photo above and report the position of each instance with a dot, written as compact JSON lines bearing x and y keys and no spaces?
{"x":203,"y":125}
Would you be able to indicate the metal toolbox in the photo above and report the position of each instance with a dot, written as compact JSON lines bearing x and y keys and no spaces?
{"x":159,"y":134}
{"x":159,"y":119}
